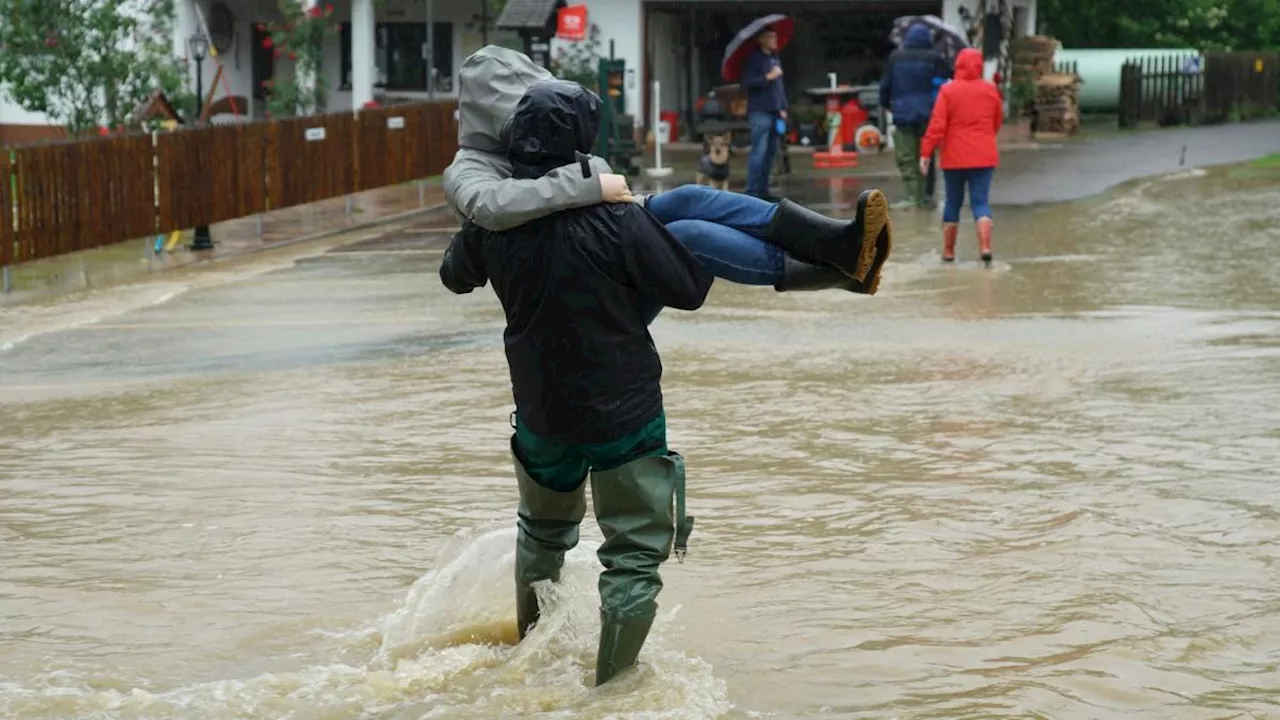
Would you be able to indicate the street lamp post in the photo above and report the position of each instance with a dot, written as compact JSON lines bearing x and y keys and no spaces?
{"x":198,"y":45}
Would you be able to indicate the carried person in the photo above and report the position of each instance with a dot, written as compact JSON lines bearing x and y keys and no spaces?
{"x":739,"y":238}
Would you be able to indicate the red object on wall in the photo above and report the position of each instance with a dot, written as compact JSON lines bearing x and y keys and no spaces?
{"x":571,"y":23}
{"x":852,"y":116}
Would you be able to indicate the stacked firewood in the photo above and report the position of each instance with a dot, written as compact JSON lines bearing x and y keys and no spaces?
{"x":1033,"y":56}
{"x":1058,"y":104}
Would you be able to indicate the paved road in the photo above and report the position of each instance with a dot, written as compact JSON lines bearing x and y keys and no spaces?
{"x":1087,"y":167}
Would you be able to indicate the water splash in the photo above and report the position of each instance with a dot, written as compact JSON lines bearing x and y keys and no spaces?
{"x":448,"y":651}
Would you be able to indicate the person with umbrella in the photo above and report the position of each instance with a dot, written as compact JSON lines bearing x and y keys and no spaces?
{"x":752,"y":58}
{"x":907,"y":89}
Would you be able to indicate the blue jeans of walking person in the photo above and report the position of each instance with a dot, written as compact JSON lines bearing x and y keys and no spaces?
{"x":978,"y":180}
{"x":723,"y":230}
{"x":764,"y":145}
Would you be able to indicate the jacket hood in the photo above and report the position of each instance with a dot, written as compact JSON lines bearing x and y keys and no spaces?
{"x":490,"y":84}
{"x":919,"y":37}
{"x":969,"y":65}
{"x":554,"y":121}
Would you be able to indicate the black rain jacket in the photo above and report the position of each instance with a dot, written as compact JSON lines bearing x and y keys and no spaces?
{"x":579,"y":288}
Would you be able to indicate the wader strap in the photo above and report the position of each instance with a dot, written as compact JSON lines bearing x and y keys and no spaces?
{"x":684,"y":523}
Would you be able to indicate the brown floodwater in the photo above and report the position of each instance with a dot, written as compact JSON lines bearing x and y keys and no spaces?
{"x":1043,"y":490}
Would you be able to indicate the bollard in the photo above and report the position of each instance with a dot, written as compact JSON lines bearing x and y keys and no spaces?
{"x":422,"y":193}
{"x":259,"y":218}
{"x":351,"y":201}
{"x":8,"y":279}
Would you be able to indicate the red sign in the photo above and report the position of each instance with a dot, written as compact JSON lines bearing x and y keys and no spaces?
{"x":571,"y":23}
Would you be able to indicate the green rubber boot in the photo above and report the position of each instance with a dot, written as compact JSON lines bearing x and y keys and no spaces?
{"x":640,"y":508}
{"x":548,"y":528}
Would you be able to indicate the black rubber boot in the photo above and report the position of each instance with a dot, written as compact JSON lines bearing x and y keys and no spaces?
{"x":798,"y":275}
{"x":640,"y":508}
{"x":847,"y":245}
{"x":548,"y":528}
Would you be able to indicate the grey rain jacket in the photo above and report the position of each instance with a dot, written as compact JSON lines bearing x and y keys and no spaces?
{"x":478,"y":184}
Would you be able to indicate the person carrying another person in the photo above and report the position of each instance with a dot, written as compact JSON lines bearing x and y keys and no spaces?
{"x":907,"y":89}
{"x":766,"y":105}
{"x":965,"y":122}
{"x":579,"y":289}
{"x":737,"y":237}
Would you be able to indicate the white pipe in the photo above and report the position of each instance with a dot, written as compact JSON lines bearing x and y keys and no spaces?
{"x":657,"y":171}
{"x":657,"y":118}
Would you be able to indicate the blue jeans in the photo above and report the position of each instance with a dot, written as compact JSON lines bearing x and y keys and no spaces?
{"x":979,"y":182}
{"x":723,"y":230}
{"x":764,"y":145}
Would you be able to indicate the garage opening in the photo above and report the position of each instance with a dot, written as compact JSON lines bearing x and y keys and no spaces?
{"x":685,"y":42}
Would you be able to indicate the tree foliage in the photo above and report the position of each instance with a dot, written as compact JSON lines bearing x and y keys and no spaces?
{"x":1205,"y":25}
{"x":88,"y":63}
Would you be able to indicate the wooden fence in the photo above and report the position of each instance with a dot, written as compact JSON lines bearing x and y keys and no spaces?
{"x":1183,"y":89}
{"x":1241,"y":85}
{"x":68,"y":196}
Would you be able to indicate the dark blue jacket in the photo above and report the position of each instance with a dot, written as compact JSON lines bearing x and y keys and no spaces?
{"x":907,"y":86}
{"x":766,"y":96}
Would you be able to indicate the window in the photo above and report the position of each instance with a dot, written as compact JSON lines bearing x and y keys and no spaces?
{"x":397,"y":54}
{"x":263,"y":63}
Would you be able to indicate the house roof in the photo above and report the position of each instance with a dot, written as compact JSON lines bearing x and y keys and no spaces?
{"x":156,"y":105}
{"x":528,"y":14}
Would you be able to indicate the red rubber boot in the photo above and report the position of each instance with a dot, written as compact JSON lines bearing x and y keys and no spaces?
{"x":949,"y":232}
{"x":984,"y":239}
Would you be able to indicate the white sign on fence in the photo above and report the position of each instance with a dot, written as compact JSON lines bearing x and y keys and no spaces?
{"x":313,"y":134}
{"x":395,"y":123}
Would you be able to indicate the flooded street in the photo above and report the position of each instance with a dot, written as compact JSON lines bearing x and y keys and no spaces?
{"x":280,"y":489}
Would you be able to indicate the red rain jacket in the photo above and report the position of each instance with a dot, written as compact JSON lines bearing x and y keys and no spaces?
{"x":966,"y":118}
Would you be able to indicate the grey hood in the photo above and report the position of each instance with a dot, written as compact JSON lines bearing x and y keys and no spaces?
{"x":490,"y":84}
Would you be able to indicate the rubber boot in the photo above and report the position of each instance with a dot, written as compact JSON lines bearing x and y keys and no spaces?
{"x":884,"y":247}
{"x":848,"y":246}
{"x":547,"y":529}
{"x":910,"y":202}
{"x":949,"y":233}
{"x":640,"y":508}
{"x":984,"y":239}
{"x":798,"y":276}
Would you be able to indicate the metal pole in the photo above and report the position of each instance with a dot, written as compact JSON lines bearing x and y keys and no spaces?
{"x":202,"y":240}
{"x":422,"y":193}
{"x":8,"y":279}
{"x":259,"y":217}
{"x":351,"y":202}
{"x":430,"y":51}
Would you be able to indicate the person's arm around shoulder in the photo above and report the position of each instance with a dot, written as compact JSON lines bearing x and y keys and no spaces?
{"x":462,"y":269}
{"x":479,"y":190}
{"x":659,"y":264}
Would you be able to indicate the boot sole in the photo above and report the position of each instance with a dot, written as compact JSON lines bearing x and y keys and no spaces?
{"x":883,"y":246}
{"x":873,"y":214}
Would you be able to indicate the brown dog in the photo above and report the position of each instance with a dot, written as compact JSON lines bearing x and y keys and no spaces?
{"x":713,"y":166}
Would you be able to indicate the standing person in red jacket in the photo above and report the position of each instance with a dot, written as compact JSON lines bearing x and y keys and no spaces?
{"x":965,"y":120}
